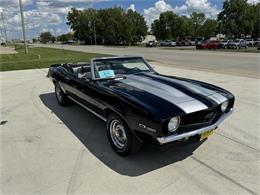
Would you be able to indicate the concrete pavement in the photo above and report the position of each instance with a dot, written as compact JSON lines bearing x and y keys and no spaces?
{"x":235,"y":63}
{"x":7,"y":50}
{"x":49,"y":149}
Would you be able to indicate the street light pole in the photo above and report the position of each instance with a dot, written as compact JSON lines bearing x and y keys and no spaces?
{"x":24,"y":36}
{"x":4,"y":27}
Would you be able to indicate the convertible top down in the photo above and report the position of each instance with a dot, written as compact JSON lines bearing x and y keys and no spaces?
{"x":140,"y":104}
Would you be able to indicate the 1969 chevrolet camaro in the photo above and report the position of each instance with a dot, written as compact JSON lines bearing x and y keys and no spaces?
{"x":139,"y":104}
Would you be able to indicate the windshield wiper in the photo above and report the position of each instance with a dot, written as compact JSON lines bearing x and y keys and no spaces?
{"x":117,"y":77}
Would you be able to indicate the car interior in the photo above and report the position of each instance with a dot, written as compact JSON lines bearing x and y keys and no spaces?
{"x":81,"y":71}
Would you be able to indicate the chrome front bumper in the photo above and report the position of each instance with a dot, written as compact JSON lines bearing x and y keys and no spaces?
{"x":171,"y":138}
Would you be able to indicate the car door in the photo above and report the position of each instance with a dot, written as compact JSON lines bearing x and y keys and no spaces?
{"x":68,"y":81}
{"x":87,"y":93}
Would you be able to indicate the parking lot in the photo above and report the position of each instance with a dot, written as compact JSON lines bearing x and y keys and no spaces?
{"x":49,"y":149}
{"x":234,"y":63}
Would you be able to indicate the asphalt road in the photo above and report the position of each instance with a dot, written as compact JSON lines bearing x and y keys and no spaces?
{"x":49,"y":149}
{"x":234,"y":63}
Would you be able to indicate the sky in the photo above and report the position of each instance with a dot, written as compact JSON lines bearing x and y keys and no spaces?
{"x":50,"y":15}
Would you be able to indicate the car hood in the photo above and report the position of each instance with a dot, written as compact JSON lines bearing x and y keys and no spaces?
{"x":168,"y":96}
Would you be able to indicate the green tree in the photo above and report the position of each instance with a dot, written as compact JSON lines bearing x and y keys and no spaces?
{"x":166,"y":26}
{"x":53,"y":39}
{"x":107,"y":26}
{"x":65,"y":37}
{"x":45,"y":37}
{"x":238,"y":18}
{"x":138,"y":28}
{"x":255,"y":10}
{"x":209,"y":28}
{"x":198,"y":19}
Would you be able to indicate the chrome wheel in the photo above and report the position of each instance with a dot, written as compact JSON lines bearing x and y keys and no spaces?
{"x":118,"y":134}
{"x":58,"y":93}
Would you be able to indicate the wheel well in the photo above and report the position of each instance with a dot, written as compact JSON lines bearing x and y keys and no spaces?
{"x":109,"y":111}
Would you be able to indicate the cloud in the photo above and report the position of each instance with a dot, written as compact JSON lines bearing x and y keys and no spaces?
{"x":40,"y":14}
{"x":33,"y":20}
{"x":153,"y":13}
{"x":253,"y":1}
{"x":187,"y":8}
{"x":132,"y":7}
{"x":203,"y":6}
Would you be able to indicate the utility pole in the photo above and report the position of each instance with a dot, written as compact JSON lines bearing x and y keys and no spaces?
{"x":95,"y":34}
{"x":2,"y":15}
{"x":24,"y":36}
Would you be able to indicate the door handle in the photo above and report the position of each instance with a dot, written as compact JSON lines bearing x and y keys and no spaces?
{"x":67,"y":79}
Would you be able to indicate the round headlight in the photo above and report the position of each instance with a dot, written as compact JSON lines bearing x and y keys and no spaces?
{"x":174,"y":124}
{"x":224,"y":106}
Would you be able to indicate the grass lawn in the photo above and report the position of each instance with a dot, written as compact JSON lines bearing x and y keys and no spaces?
{"x":42,"y":58}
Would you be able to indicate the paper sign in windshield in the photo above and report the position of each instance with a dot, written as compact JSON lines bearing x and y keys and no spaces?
{"x":106,"y":74}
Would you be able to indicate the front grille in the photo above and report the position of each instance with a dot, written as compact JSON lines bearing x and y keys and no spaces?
{"x":199,"y":119}
{"x":201,"y":116}
{"x":196,"y":120}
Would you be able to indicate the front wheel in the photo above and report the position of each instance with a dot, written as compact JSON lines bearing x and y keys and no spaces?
{"x":60,"y":95}
{"x":120,"y":137}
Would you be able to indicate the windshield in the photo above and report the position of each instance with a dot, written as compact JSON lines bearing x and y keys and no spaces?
{"x":112,"y":68}
{"x":237,"y":40}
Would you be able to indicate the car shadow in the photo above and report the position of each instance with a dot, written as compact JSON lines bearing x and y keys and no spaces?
{"x":91,"y":131}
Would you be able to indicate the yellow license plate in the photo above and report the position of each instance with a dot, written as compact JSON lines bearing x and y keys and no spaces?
{"x":206,"y":134}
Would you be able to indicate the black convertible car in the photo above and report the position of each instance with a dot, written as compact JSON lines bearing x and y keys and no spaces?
{"x":139,"y":104}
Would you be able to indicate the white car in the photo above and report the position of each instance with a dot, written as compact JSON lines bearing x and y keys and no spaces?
{"x":168,"y":43}
{"x":224,"y":44}
{"x":250,"y":42}
{"x":172,"y":43}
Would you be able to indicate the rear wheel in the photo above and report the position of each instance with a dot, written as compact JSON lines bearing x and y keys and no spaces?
{"x":120,"y":136}
{"x":60,"y":95}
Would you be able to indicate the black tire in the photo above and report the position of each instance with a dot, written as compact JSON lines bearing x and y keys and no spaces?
{"x":61,"y":96}
{"x":130,"y":145}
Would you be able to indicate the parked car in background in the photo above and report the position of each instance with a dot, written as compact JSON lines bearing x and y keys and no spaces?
{"x":258,"y":45}
{"x":183,"y":43}
{"x":256,"y":41}
{"x":151,"y":44}
{"x":173,"y":43}
{"x":199,"y":40}
{"x":237,"y":44}
{"x":213,"y":44}
{"x":192,"y":43}
{"x":168,"y":43}
{"x":250,"y":42}
{"x":164,"y":43}
{"x":225,"y":43}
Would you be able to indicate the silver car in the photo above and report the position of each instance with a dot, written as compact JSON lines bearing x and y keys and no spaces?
{"x":237,"y":44}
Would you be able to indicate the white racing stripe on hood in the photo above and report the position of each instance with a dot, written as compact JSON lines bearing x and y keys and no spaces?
{"x":193,"y":87}
{"x":183,"y":101}
{"x":211,"y":94}
{"x":217,"y":97}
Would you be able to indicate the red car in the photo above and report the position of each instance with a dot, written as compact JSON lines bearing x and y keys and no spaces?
{"x":209,"y":45}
